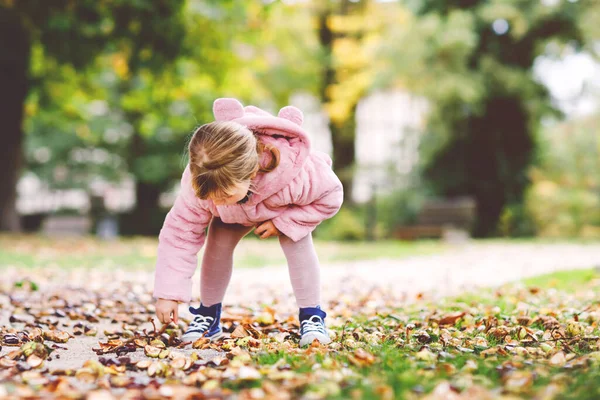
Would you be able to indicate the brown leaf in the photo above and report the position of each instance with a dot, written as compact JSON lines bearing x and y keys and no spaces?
{"x":239,"y":352}
{"x":558,"y":359}
{"x":426,"y":355}
{"x":39,"y":349}
{"x":447,"y":368}
{"x":194,"y":379}
{"x":239,"y":332}
{"x":95,"y":366}
{"x":86,"y":375}
{"x":6,"y":362}
{"x":120,"y":381}
{"x":34,"y":378}
{"x":451,"y":319}
{"x":489,"y":352}
{"x":443,"y":391}
{"x":265,"y":318}
{"x":477,"y":392}
{"x":34,"y":361}
{"x":524,"y":320}
{"x":518,"y":381}
{"x":499,"y":332}
{"x":248,"y":373}
{"x":385,"y":392}
{"x":35,"y":333}
{"x":178,"y":363}
{"x":281,"y":336}
{"x":158,"y":344}
{"x":56,"y":336}
{"x":158,"y":369}
{"x":423,"y":337}
{"x":11,"y":340}
{"x":14,"y":355}
{"x":364,"y":355}
{"x":200,"y":343}
{"x":144,"y":364}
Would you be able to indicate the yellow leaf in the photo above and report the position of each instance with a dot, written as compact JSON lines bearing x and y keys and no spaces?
{"x":119,"y":64}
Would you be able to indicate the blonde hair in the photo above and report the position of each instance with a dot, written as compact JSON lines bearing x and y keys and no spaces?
{"x":224,"y":155}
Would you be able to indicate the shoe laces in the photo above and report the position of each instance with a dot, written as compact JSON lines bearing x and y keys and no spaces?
{"x":313,"y":324}
{"x":201,"y":322}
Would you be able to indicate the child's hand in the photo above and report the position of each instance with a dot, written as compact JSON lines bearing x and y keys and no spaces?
{"x":266,"y":229}
{"x":164,"y":308}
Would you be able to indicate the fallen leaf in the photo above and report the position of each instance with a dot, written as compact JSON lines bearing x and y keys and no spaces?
{"x":518,"y":381}
{"x":200,"y":343}
{"x":56,"y":336}
{"x":34,"y":361}
{"x":86,"y":375}
{"x":265,"y":318}
{"x":443,"y":391}
{"x":558,"y":360}
{"x":151,"y":351}
{"x":426,"y":355}
{"x":239,"y":332}
{"x":451,"y":319}
{"x":248,"y":373}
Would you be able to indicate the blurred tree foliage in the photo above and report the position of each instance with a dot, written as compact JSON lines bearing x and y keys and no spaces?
{"x":117,"y":119}
{"x":114,"y":118}
{"x":324,"y":48}
{"x":473,"y":59}
{"x":114,"y":88}
{"x":564,"y":198}
{"x":66,"y":33}
{"x":351,"y":33}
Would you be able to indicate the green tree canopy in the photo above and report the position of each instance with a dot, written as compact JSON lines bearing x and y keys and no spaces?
{"x":473,"y":59}
{"x":70,"y":33}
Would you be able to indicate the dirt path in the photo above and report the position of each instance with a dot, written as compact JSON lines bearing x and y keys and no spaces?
{"x":460,"y":269}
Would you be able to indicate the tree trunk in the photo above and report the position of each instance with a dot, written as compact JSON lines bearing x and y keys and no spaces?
{"x":147,"y":217}
{"x":14,"y":66}
{"x":342,"y":137}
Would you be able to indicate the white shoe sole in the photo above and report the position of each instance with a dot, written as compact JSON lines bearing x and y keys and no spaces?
{"x":192,"y":337}
{"x":309,"y":337}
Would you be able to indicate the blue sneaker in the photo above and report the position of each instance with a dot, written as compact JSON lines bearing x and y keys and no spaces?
{"x":206,"y":323}
{"x":312,"y":326}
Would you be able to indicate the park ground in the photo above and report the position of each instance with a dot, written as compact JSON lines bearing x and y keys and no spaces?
{"x":473,"y":320}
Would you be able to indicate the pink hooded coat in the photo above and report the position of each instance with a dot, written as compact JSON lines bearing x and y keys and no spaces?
{"x":298,"y":195}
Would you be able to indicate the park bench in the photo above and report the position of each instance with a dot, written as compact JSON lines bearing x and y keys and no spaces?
{"x":439,"y":218}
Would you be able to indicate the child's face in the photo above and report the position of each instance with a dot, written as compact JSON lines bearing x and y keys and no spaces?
{"x":239,"y":192}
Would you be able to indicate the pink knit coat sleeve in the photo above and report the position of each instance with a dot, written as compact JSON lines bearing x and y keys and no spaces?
{"x":315,"y":195}
{"x":180,"y":239}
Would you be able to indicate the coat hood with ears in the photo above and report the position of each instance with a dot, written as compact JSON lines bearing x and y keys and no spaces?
{"x":284,"y":131}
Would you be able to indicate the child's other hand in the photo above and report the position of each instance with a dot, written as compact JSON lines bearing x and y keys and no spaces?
{"x":164,"y":309}
{"x":266,"y":229}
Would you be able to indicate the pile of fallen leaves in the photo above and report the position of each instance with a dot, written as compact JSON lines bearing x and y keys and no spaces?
{"x":516,"y":341}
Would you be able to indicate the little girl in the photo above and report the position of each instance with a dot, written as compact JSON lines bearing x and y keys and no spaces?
{"x":247,"y":169}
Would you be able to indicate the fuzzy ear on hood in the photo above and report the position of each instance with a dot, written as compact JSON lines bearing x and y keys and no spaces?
{"x":291,"y":113}
{"x":227,"y":109}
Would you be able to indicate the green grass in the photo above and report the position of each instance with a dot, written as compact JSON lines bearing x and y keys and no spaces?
{"x":140,"y":253}
{"x":564,"y":280}
{"x":570,"y":297}
{"x":542,"y":240}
